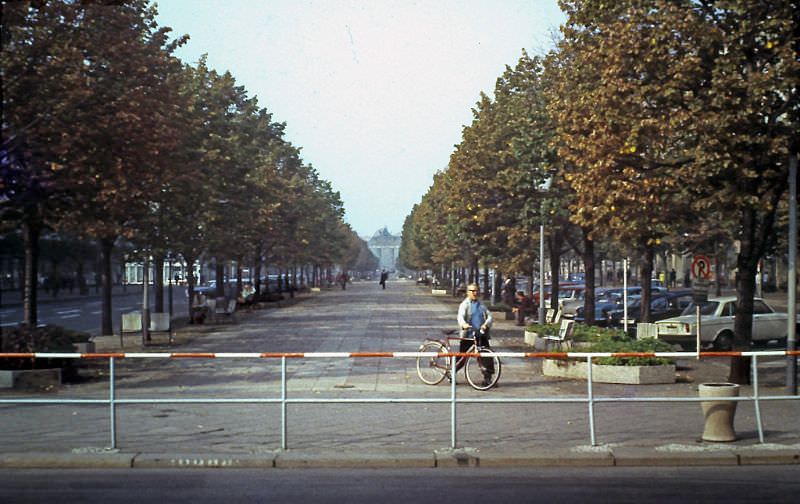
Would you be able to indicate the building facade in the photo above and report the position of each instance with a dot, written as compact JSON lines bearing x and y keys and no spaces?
{"x":386,"y":247}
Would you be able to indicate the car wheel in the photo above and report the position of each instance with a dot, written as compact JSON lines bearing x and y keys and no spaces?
{"x":724,"y":341}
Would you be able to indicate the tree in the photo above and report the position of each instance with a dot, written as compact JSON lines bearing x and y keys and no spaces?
{"x":86,"y":94}
{"x":40,"y":61}
{"x":746,"y":123}
{"x":619,"y":99}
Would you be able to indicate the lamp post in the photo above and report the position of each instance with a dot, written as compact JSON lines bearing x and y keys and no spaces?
{"x":791,"y":330}
{"x":543,"y":188}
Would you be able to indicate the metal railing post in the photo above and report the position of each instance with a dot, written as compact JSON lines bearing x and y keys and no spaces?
{"x":453,"y":403}
{"x":284,"y":442}
{"x":754,"y":365}
{"x":590,"y":399}
{"x":112,"y":403}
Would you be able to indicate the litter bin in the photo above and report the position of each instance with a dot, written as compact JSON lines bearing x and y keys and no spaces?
{"x":719,"y":413}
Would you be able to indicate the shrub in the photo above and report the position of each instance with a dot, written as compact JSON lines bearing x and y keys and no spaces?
{"x":49,"y":338}
{"x":594,"y":334}
{"x":581,"y":332}
{"x":500,"y":307}
{"x":647,"y":345}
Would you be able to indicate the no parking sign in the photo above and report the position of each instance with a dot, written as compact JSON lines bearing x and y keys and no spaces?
{"x":701,"y":267}
{"x":701,"y":271}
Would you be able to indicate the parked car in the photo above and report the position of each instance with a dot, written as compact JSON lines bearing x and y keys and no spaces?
{"x":207,"y":288}
{"x":565,"y":290}
{"x":662,"y":305}
{"x":570,"y":306}
{"x":607,"y":300}
{"x":716,"y":324}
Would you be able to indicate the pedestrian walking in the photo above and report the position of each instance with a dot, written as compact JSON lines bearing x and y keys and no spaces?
{"x":384,"y":277}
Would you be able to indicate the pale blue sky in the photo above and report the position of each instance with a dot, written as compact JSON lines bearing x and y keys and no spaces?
{"x":375,"y":92}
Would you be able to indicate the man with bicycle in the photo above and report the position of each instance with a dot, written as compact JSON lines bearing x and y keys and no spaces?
{"x":475,"y":320}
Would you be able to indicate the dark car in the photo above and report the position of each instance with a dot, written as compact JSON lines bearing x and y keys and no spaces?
{"x":662,"y":306}
{"x":601,"y":310}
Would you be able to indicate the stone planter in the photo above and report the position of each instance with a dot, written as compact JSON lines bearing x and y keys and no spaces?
{"x":503,"y":315}
{"x":718,"y":414}
{"x":30,"y":378}
{"x":533,"y":339}
{"x":626,"y":375}
{"x":85,"y":347}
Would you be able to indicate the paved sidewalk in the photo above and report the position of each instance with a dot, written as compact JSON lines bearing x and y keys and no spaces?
{"x":360,"y":433}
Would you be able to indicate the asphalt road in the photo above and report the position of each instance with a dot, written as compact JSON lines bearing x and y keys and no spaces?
{"x":83,"y":313}
{"x":618,"y":485}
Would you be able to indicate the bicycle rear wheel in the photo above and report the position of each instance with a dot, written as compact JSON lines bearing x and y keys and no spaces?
{"x":483,"y":372}
{"x":433,"y":369}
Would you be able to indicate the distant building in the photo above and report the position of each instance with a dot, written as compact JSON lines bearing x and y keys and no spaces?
{"x":386,"y":247}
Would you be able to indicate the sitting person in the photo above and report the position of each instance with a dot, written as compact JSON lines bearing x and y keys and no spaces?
{"x":523,"y":306}
{"x":199,"y":308}
{"x":247,"y":296}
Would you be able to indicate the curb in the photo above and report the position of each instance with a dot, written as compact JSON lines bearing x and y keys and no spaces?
{"x":623,"y":456}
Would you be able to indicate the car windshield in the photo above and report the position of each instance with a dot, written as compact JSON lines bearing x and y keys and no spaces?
{"x":706,"y":308}
{"x":633,"y":301}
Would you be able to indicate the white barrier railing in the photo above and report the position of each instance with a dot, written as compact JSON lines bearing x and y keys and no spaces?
{"x":453,"y":400}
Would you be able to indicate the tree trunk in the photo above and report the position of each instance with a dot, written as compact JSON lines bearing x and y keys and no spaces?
{"x":191,"y":281}
{"x":647,"y":273}
{"x":106,"y":247}
{"x":555,"y":243}
{"x":486,"y":287}
{"x":747,"y":266}
{"x":498,"y":287}
{"x":239,"y":282}
{"x":588,"y":268}
{"x":220,"y":267}
{"x":158,"y":282}
{"x":31,"y":244}
{"x":83,"y":288}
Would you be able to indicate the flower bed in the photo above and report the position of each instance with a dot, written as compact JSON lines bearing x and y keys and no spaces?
{"x":625,"y":370}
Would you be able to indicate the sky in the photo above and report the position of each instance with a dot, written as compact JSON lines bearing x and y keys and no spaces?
{"x":374,"y":92}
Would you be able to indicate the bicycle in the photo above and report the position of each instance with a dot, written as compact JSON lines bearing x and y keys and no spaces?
{"x":433,"y":369}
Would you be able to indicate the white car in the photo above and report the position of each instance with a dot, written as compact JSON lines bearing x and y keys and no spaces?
{"x":716,"y":324}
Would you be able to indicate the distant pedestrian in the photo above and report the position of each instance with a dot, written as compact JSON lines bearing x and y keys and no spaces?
{"x":384,"y":277}
{"x":508,"y":291}
{"x":673,"y":278}
{"x":343,"y":280}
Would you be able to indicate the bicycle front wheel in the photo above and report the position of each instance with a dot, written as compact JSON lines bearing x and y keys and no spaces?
{"x":483,"y":372}
{"x":432,"y":369}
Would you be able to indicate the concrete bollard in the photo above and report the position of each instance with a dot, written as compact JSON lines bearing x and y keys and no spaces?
{"x":719,"y":414}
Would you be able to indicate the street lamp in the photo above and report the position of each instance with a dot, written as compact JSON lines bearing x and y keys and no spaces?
{"x":791,"y":330}
{"x":543,"y":188}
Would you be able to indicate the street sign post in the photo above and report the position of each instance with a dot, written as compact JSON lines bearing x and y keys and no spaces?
{"x":701,"y":273}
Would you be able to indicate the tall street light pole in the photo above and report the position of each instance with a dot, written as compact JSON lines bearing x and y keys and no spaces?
{"x":543,"y":188}
{"x":541,"y":274}
{"x":791,"y":332}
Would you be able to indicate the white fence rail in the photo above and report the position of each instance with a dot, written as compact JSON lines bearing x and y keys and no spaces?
{"x":283,"y":399}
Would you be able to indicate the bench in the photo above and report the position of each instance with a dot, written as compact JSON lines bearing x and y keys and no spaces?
{"x":552,"y":316}
{"x":563,"y":337}
{"x":223,"y":310}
